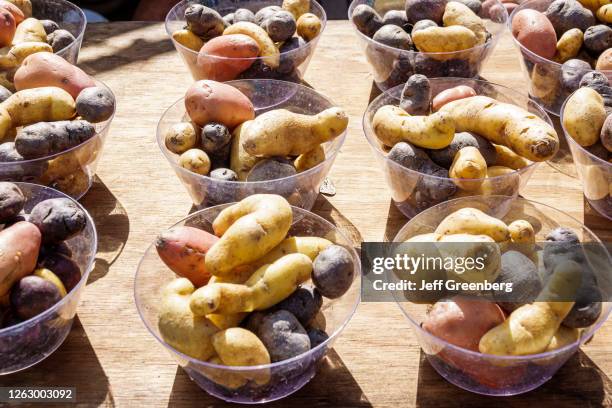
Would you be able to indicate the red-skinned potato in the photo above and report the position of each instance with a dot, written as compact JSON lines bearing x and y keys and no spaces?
{"x":45,"y":69}
{"x":183,"y":250}
{"x":14,"y":10}
{"x":227,"y":46}
{"x":19,"y":247}
{"x":7,"y":27}
{"x":535,"y":32}
{"x":211,"y":101}
{"x":452,"y":94}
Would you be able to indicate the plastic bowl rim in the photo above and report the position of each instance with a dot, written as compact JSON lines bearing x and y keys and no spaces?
{"x":494,"y":37}
{"x":336,"y":333}
{"x":86,"y":272}
{"x":546,"y":354}
{"x":308,"y":44}
{"x":103,"y":130}
{"x":517,"y":172}
{"x":169,"y":155}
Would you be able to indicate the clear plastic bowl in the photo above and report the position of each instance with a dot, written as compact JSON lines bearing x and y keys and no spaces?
{"x":595,"y":173}
{"x":30,"y":342}
{"x":392,"y":66}
{"x":300,"y":190}
{"x":69,"y":17}
{"x":484,"y":373}
{"x":407,"y":185}
{"x":71,"y":171}
{"x":293,"y":63}
{"x":543,"y":75}
{"x":286,"y":376}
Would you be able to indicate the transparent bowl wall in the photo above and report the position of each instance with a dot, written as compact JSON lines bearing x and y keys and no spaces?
{"x":391,"y":66}
{"x":595,"y":173}
{"x":69,"y":17}
{"x":286,"y":376}
{"x":293,"y":64}
{"x":30,"y":342}
{"x":543,"y":76}
{"x":71,"y":171}
{"x":301,"y":190}
{"x":488,"y":374}
{"x":407,"y":186}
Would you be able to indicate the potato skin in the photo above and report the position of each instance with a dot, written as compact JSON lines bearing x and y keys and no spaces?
{"x":239,"y":347}
{"x":47,"y":138}
{"x":212,"y":58}
{"x":25,"y":7}
{"x":507,"y":158}
{"x":475,"y":222}
{"x":30,"y":30}
{"x":204,"y":21}
{"x":58,"y":219}
{"x":597,"y":39}
{"x":60,"y":39}
{"x":12,"y":201}
{"x":33,"y":295}
{"x":63,"y":267}
{"x":45,"y":69}
{"x":183,"y":250}
{"x":283,"y":336}
{"x":444,"y":39}
{"x":606,"y":134}
{"x":95,"y":104}
{"x":535,"y":32}
{"x":366,"y":19}
{"x":248,"y":230}
{"x":468,"y":164}
{"x":584,"y":116}
{"x":210,"y":101}
{"x":456,"y":13}
{"x":565,"y":15}
{"x":333,"y":271}
{"x":310,"y":160}
{"x":284,"y":133}
{"x":7,"y":27}
{"x":569,"y":45}
{"x":14,"y":10}
{"x":416,"y":95}
{"x":35,"y":105}
{"x":452,"y":94}
{"x":19,"y":247}
{"x":417,"y":10}
{"x":267,"y":49}
{"x":188,"y":39}
{"x":604,"y":62}
{"x":241,"y":162}
{"x":196,"y":161}
{"x":309,"y":26}
{"x":444,"y":157}
{"x":181,"y":137}
{"x":296,"y":7}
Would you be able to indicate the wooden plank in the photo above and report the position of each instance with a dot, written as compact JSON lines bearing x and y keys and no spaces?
{"x":112,"y":359}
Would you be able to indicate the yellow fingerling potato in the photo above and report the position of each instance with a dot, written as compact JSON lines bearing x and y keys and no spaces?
{"x":228,"y":379}
{"x":309,"y":26}
{"x":49,"y":276}
{"x":584,"y":116}
{"x":6,"y":124}
{"x":269,"y":52}
{"x":238,"y":347}
{"x":284,"y":133}
{"x":563,"y":337}
{"x":30,"y":30}
{"x":268,"y":286}
{"x":458,"y":14}
{"x":309,"y":160}
{"x":24,"y":5}
{"x":569,"y":45}
{"x":469,"y":246}
{"x":604,"y":13}
{"x":188,"y":39}
{"x":248,"y":231}
{"x":179,"y":327}
{"x":444,"y":39}
{"x":23,"y":50}
{"x":241,"y":162}
{"x":48,"y":104}
{"x":530,"y":328}
{"x":521,"y":232}
{"x":468,"y":164}
{"x":296,"y":7}
{"x":506,"y":124}
{"x":475,"y":222}
{"x":309,"y":246}
{"x":594,"y":5}
{"x":507,"y":158}
{"x":392,"y":125}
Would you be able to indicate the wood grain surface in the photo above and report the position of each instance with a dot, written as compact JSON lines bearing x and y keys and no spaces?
{"x":111,"y":358}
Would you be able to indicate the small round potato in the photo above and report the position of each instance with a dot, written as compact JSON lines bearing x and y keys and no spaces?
{"x":263,"y":14}
{"x":398,"y":18}
{"x":204,"y":21}
{"x":417,"y":10}
{"x":215,"y":137}
{"x":12,"y":201}
{"x":367,"y":20}
{"x":333,"y":271}
{"x":181,"y":137}
{"x":50,"y":26}
{"x":304,"y":304}
{"x":283,"y":336}
{"x":60,"y":39}
{"x":416,"y":95}
{"x":224,"y":175}
{"x":572,"y":72}
{"x":280,"y":26}
{"x":33,"y":295}
{"x":309,"y":26}
{"x":519,"y":270}
{"x":63,"y":267}
{"x":243,"y":14}
{"x":393,"y":36}
{"x":58,"y":219}
{"x":606,"y":134}
{"x":195,"y":160}
{"x":317,"y":336}
{"x":271,"y":169}
{"x":597,"y":39}
{"x":95,"y":104}
{"x":567,"y":14}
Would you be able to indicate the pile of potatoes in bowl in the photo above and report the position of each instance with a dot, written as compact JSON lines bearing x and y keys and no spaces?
{"x":510,"y":341}
{"x":436,"y":38}
{"x":587,"y":123}
{"x":562,"y":42}
{"x":51,"y":127}
{"x":455,"y":143}
{"x":251,"y":294}
{"x":272,"y":42}
{"x":38,"y":270}
{"x":223,"y":140}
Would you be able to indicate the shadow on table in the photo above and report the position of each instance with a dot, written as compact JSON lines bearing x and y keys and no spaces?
{"x":325,"y":209}
{"x":112,"y":224}
{"x":579,"y":383}
{"x":395,"y":222}
{"x":563,"y":161}
{"x":74,"y":364}
{"x":333,"y":386}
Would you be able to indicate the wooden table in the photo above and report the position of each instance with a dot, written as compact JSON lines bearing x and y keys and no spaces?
{"x":112,"y":359}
